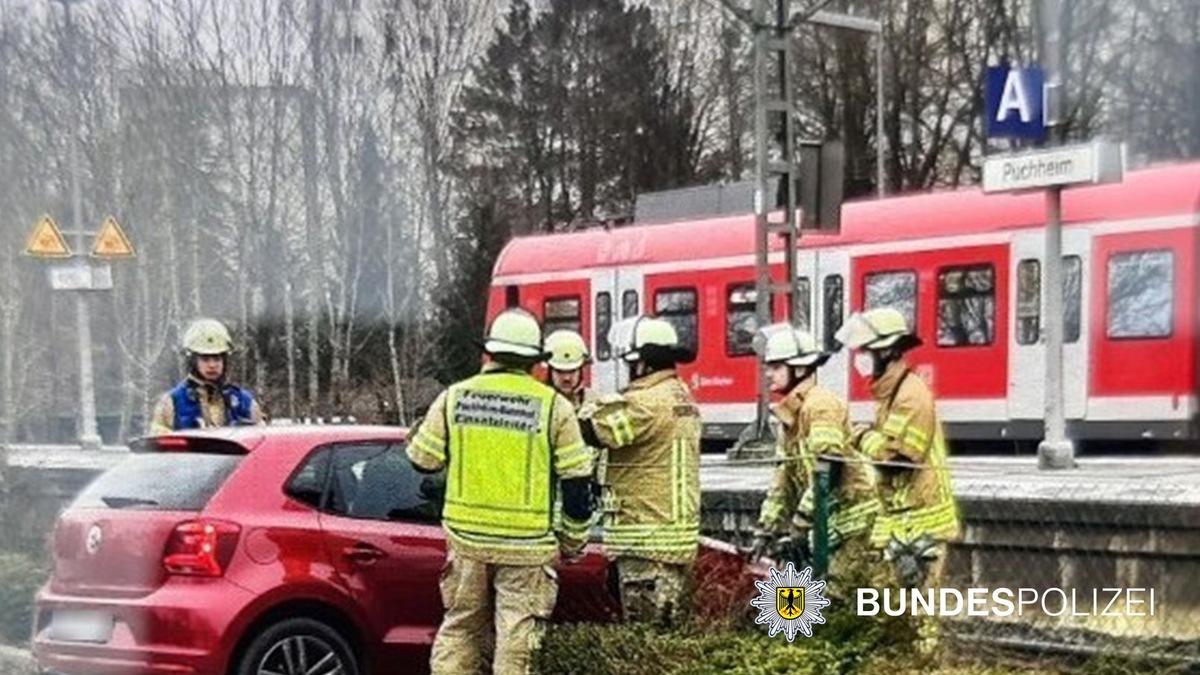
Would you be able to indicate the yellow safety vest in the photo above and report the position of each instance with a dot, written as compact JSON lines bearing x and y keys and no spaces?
{"x":500,"y":476}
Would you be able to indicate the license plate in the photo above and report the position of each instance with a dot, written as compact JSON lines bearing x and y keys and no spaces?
{"x":69,"y":625}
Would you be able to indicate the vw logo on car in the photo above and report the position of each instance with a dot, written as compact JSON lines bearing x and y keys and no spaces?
{"x":95,"y":537}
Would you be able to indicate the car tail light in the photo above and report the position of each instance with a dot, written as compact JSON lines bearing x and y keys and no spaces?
{"x":201,"y":548}
{"x":169,"y":444}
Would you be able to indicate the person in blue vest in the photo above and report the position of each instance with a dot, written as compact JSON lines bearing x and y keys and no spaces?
{"x":204,"y":398}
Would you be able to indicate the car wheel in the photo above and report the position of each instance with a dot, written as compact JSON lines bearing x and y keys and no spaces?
{"x":298,"y":647}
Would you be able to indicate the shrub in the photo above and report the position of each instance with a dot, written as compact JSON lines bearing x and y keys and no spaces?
{"x":20,"y":577}
{"x":628,"y":650}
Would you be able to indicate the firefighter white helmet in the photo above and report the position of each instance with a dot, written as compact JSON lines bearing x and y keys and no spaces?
{"x":877,"y":329}
{"x":208,"y":337}
{"x":567,"y":350}
{"x":517,"y":332}
{"x":783,"y":343}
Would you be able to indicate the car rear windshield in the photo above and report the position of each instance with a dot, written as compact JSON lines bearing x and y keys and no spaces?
{"x":169,"y":482}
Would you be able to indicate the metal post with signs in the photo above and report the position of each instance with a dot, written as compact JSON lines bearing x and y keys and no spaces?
{"x":1025,"y":103}
{"x":1055,"y":451}
{"x":79,"y":275}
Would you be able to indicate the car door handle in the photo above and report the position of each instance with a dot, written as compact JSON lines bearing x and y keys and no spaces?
{"x":364,"y":554}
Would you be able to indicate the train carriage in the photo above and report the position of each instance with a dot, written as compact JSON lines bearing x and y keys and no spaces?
{"x":965,"y":268}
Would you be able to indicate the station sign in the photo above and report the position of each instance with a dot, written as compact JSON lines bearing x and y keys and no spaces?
{"x":1086,"y":163}
{"x":1014,"y":103}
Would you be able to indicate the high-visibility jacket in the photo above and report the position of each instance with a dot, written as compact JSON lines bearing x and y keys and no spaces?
{"x":505,"y":440}
{"x":918,"y":500}
{"x":195,"y":404}
{"x":652,"y":433}
{"x":815,"y":422}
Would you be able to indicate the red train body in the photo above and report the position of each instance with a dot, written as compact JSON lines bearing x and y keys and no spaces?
{"x":966,"y":268}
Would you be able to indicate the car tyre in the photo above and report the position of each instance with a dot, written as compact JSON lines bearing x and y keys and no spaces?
{"x":298,"y":646}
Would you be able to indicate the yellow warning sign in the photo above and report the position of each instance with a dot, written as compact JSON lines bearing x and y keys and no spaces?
{"x":47,"y":241}
{"x":111,"y":241}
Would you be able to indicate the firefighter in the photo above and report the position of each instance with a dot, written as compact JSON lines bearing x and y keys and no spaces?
{"x":508,"y":443}
{"x":651,"y":432}
{"x":919,"y":514}
{"x":204,"y":398}
{"x":568,"y":357}
{"x":814,"y":423}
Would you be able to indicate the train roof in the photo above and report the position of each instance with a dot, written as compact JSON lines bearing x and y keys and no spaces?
{"x":1147,"y":193}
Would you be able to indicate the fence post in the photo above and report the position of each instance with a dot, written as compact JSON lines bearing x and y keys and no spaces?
{"x":821,"y":489}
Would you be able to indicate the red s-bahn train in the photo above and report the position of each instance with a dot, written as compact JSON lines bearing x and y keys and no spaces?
{"x":964,"y":267}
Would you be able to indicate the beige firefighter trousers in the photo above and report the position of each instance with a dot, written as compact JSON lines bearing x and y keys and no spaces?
{"x":509,"y":604}
{"x":653,"y":591}
{"x":924,"y":631}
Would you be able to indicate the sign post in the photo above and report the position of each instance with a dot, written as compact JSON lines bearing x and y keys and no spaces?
{"x":1055,"y":451}
{"x":78,"y":275}
{"x":1025,"y":103}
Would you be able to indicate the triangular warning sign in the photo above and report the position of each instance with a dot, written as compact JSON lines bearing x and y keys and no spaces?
{"x":111,"y":241}
{"x":47,"y":241}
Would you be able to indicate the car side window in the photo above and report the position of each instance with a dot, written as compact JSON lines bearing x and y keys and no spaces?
{"x":376,"y":481}
{"x":307,"y":484}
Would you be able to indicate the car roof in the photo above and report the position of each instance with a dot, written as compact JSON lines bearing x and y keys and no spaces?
{"x":252,"y":437}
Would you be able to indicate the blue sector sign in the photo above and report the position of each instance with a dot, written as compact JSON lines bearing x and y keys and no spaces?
{"x":1014,"y":103}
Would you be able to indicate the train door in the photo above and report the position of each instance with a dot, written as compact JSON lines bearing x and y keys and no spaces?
{"x":606,"y":307}
{"x":616,"y":295}
{"x":1027,"y":350}
{"x":829,"y":311}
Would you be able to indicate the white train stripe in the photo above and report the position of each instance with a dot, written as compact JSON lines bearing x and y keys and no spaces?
{"x":1099,"y":409}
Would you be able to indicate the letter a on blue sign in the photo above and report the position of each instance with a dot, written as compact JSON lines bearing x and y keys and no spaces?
{"x":1014,"y":103}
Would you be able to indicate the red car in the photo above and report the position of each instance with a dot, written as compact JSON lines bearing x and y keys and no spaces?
{"x":260,"y":550}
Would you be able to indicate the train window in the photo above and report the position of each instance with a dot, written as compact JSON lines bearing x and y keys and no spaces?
{"x":741,"y":322}
{"x":835,"y":298}
{"x":896,"y":289}
{"x":1029,"y":301}
{"x":966,"y":306}
{"x":512,"y":296}
{"x":679,"y":306}
{"x":1072,"y":271}
{"x":603,"y":325}
{"x":561,"y":314}
{"x":804,"y":288}
{"x":1140,"y":294}
{"x":629,"y":304}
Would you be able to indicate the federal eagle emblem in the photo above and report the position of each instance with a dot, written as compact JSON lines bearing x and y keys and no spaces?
{"x":790,"y":602}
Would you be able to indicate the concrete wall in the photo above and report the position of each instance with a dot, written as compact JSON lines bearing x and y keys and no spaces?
{"x":1064,"y":543}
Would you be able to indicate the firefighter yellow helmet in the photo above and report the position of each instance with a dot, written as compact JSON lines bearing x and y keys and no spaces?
{"x":208,"y":337}
{"x":781,"y":343}
{"x":632,"y":336}
{"x":517,"y":332}
{"x":567,"y":350}
{"x":876,"y":329}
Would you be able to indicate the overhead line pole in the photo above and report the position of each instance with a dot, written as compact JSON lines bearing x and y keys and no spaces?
{"x":776,"y":163}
